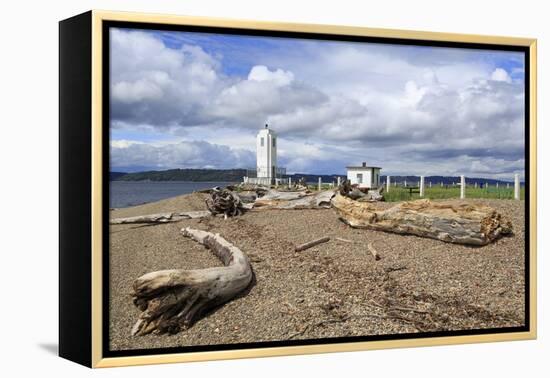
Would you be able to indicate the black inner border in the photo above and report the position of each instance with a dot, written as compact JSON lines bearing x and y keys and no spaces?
{"x":106,"y":25}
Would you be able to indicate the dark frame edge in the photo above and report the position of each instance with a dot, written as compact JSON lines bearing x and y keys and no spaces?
{"x":75,"y":122}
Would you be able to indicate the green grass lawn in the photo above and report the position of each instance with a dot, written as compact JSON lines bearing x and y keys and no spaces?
{"x":324,"y":186}
{"x":398,"y":193}
{"x":401,"y":194}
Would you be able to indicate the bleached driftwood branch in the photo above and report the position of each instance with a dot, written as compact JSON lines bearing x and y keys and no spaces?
{"x":344,"y":240}
{"x":310,"y":244}
{"x":373,"y":251}
{"x":171,"y":300}
{"x":161,"y":217}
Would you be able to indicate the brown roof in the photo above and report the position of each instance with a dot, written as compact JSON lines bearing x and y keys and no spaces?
{"x":360,"y":166}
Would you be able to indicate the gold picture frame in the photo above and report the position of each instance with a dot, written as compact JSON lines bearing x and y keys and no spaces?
{"x":92,"y":327}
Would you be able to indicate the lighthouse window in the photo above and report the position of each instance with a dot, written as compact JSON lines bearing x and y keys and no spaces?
{"x":273,"y":142}
{"x":262,"y":141}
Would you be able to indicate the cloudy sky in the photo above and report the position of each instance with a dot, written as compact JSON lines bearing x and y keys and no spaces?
{"x":194,"y":100}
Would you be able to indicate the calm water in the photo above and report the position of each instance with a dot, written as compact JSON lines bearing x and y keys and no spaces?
{"x":131,"y":193}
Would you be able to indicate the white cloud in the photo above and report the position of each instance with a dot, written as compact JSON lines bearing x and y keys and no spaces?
{"x":153,"y":84}
{"x":413,"y":94}
{"x":500,"y":74}
{"x":279,"y":77}
{"x":123,"y":143}
{"x":184,"y":154}
{"x":402,"y":109}
{"x":249,"y":103}
{"x":137,"y":91}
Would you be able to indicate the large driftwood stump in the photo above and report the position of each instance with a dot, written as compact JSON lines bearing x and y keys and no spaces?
{"x":225,"y":202}
{"x":446,"y":221}
{"x":171,"y":300}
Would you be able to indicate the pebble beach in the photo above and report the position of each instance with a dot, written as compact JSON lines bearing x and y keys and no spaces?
{"x":335,"y":289}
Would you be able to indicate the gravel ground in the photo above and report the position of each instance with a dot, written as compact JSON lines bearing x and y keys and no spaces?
{"x":332,"y":290}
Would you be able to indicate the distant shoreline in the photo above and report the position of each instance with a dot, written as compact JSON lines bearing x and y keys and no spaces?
{"x":236,"y":175}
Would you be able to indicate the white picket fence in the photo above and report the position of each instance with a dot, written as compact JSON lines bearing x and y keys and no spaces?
{"x":421,"y":184}
{"x":462,"y":184}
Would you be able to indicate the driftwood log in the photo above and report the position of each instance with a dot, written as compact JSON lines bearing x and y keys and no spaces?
{"x":374,"y":195}
{"x":283,"y":195}
{"x":161,"y":217}
{"x":248,"y":196}
{"x":346,"y":189}
{"x":447,"y":221}
{"x":295,"y":200}
{"x":351,"y":191}
{"x":258,"y":189}
{"x":171,"y":300}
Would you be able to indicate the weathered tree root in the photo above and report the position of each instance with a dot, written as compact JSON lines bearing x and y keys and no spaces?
{"x":345,"y":188}
{"x":161,"y":217}
{"x":447,"y":221}
{"x":172,"y":300}
{"x":225,"y":202}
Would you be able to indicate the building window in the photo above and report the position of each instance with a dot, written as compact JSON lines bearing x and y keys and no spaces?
{"x":262,"y":141}
{"x":359,"y":178}
{"x":274,"y":142}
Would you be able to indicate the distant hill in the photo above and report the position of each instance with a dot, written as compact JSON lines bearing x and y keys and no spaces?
{"x":236,"y":175}
{"x":198,"y":175}
{"x":116,"y":175}
{"x":229,"y":175}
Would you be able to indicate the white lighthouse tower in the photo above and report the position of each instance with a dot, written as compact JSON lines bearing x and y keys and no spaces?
{"x":266,"y":156}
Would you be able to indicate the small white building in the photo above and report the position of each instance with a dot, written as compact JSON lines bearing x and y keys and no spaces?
{"x":364,"y":176}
